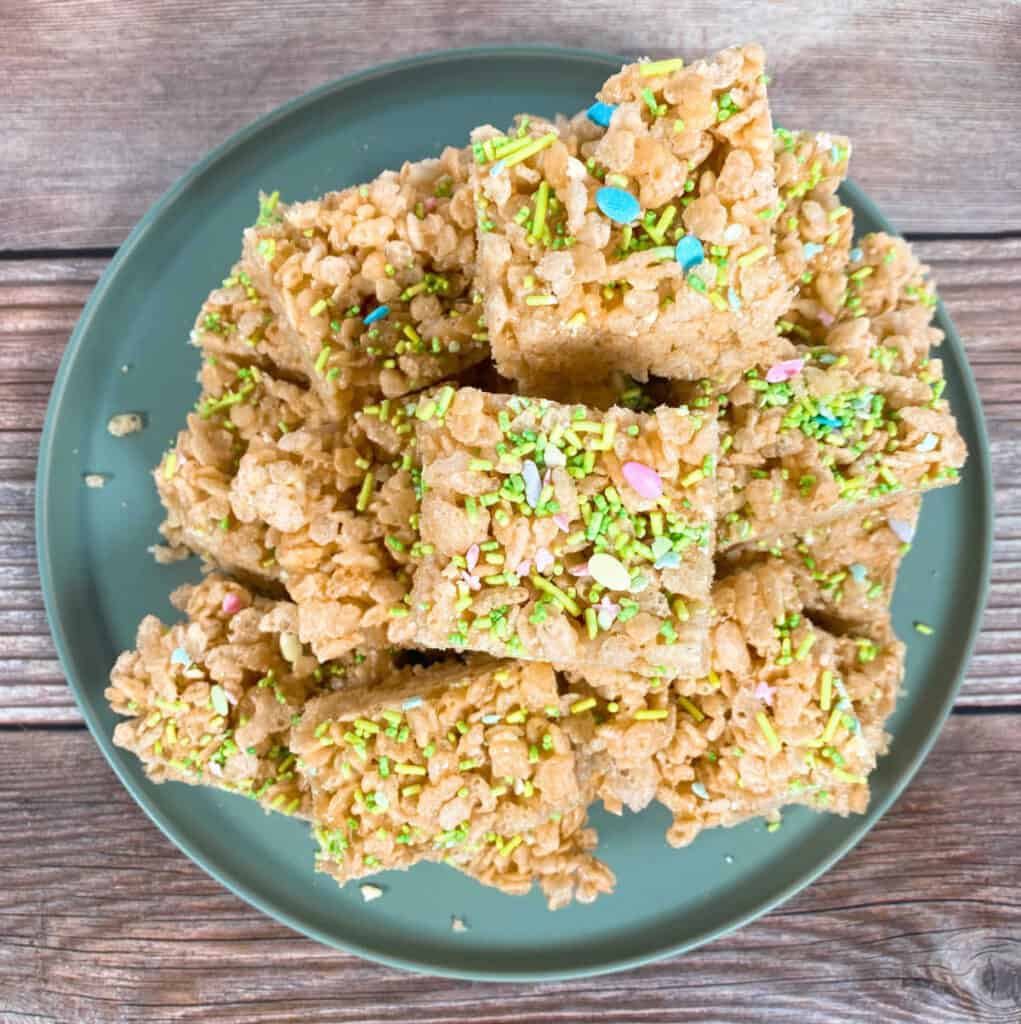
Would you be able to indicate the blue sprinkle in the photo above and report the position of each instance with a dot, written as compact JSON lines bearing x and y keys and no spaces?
{"x":859,"y":573}
{"x":600,"y":113}
{"x":377,"y":314}
{"x":660,"y":546}
{"x":733,"y":299}
{"x":688,"y":252}
{"x":828,"y":358}
{"x":829,"y":421}
{"x":496,"y":168}
{"x":411,"y":703}
{"x":671,"y":560}
{"x":491,"y":719}
{"x":927,"y":443}
{"x":180,"y":657}
{"x":811,"y":249}
{"x":855,"y":254}
{"x":835,"y":153}
{"x":698,"y":788}
{"x":618,"y":204}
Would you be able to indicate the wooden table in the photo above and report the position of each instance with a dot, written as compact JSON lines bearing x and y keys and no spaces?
{"x":102,"y":106}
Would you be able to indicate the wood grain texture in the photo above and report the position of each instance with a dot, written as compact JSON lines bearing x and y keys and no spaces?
{"x":114,"y":100}
{"x":102,"y":921}
{"x":40,"y":301}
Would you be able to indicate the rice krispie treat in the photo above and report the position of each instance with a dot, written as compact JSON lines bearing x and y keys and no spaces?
{"x":458,"y":763}
{"x":373,"y":285}
{"x":239,"y":405}
{"x":790,"y":713}
{"x":831,"y":431}
{"x":845,"y":570}
{"x":814,"y":229}
{"x":238,"y":322}
{"x":648,"y":247}
{"x":557,"y":533}
{"x":211,"y":700}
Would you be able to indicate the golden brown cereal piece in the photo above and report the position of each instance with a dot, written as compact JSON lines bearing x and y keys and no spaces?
{"x":374,"y":285}
{"x":561,"y":534}
{"x":570,"y":291}
{"x":212,"y":699}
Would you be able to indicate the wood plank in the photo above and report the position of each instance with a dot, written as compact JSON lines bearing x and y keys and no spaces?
{"x":102,"y":920}
{"x":41,"y":299}
{"x":112,"y":101}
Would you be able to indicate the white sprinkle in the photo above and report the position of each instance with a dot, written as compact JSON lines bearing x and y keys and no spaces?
{"x":95,"y":479}
{"x":457,"y":925}
{"x":290,"y":647}
{"x":370,"y":892}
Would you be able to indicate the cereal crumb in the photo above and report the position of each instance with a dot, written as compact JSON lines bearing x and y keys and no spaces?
{"x":370,"y":892}
{"x":95,"y":480}
{"x":126,"y":368}
{"x":166,"y":554}
{"x":125,"y":423}
{"x":458,"y":925}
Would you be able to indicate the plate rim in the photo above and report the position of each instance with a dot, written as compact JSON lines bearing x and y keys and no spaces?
{"x":980,"y":459}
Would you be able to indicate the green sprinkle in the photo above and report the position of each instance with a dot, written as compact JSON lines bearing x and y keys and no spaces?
{"x":923,"y":628}
{"x":317,"y":308}
{"x":660,"y":67}
{"x":766,"y":726}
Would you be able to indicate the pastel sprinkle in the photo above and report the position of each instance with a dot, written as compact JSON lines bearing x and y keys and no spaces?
{"x":524,"y":567}
{"x":533,"y":482}
{"x":824,"y":419}
{"x":609,"y":572}
{"x":787,"y":370}
{"x":179,"y":657}
{"x":901,"y":529}
{"x":563,"y":523}
{"x":855,"y":254}
{"x":643,"y":480}
{"x":859,"y":573}
{"x":618,"y":204}
{"x":670,"y":560}
{"x":639,"y":583}
{"x":825,"y":318}
{"x":471,"y":557}
{"x":698,"y":788}
{"x":231,"y":605}
{"x":497,"y":168}
{"x":218,"y":697}
{"x":411,"y":703}
{"x":580,"y":570}
{"x":733,"y":299}
{"x":370,"y":892}
{"x":810,"y":249}
{"x":927,"y":443}
{"x":543,"y":560}
{"x":764,"y":692}
{"x":553,"y":456}
{"x":491,"y":719}
{"x":600,"y":113}
{"x":607,"y":611}
{"x":688,"y":252}
{"x":377,"y":314}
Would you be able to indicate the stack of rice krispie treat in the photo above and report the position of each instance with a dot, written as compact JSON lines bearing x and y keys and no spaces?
{"x":575,"y":465}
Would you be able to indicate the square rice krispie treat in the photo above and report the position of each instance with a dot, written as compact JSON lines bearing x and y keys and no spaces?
{"x":839,"y":428}
{"x":845,"y":570}
{"x":464,"y":764}
{"x":558,"y":533}
{"x":789,"y":714}
{"x":239,"y":405}
{"x":374,"y":284}
{"x":237,"y":322}
{"x":648,"y":247}
{"x":211,"y":700}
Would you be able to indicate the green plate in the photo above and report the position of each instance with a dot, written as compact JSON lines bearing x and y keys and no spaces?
{"x":98,"y":579}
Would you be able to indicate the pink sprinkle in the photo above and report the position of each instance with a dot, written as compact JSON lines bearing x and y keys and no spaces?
{"x":607,"y":611}
{"x":472,"y":557}
{"x":784,"y":371}
{"x":543,"y":560}
{"x":644,"y":481}
{"x":430,"y":203}
{"x":765,"y":693}
{"x":825,"y":318}
{"x":523,"y":568}
{"x":562,"y":522}
{"x":232,"y":604}
{"x":580,"y":570}
{"x":470,"y":581}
